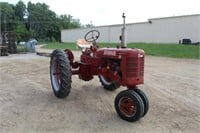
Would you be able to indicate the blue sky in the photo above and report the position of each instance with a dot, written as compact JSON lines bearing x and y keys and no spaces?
{"x":106,"y":12}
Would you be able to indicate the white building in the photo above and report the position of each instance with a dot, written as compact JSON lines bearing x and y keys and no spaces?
{"x":155,"y":30}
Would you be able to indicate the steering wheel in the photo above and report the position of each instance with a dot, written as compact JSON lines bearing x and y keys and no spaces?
{"x":92,"y":36}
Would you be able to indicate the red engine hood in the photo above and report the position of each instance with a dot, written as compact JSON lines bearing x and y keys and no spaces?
{"x":117,"y":53}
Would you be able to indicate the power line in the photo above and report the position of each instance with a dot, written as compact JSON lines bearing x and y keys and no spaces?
{"x":18,"y":22}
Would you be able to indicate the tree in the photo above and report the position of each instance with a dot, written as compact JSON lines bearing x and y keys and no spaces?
{"x":42,"y":20}
{"x":20,"y":9}
{"x":35,"y":20}
{"x":89,"y":25}
{"x":7,"y":16}
{"x":67,"y":22}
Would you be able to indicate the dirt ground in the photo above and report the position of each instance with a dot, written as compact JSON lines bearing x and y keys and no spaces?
{"x":27,"y":102}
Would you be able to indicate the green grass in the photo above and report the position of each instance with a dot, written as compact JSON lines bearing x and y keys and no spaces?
{"x":165,"y":50}
{"x":63,"y":46}
{"x":21,"y":48}
{"x":170,"y":50}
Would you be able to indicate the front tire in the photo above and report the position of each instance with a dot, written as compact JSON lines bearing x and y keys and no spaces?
{"x":129,"y":105}
{"x":60,"y":74}
{"x":144,"y":99}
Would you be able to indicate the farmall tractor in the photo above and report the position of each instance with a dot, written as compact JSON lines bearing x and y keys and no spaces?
{"x":115,"y":67}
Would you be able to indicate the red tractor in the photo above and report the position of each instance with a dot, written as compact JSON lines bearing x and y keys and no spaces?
{"x":115,"y":67}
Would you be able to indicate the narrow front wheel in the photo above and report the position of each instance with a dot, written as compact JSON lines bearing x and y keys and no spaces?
{"x":144,"y":99}
{"x":129,"y":105}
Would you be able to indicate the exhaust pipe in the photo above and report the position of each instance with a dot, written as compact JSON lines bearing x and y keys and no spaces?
{"x":123,"y":36}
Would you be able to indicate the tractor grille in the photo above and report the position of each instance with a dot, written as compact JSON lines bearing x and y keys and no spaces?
{"x":135,"y":67}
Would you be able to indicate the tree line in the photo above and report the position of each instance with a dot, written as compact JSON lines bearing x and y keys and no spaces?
{"x":35,"y":21}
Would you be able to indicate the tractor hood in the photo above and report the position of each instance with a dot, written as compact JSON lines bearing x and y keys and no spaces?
{"x":119,"y":52}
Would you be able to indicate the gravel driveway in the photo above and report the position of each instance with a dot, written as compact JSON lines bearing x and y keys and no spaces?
{"x":27,"y":103}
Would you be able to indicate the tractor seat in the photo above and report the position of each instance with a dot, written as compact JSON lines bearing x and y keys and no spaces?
{"x":83,"y":44}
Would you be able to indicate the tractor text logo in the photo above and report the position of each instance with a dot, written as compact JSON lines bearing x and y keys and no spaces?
{"x":109,"y":52}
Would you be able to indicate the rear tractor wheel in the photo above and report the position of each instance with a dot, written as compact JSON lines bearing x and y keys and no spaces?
{"x":108,"y":85}
{"x":60,"y":74}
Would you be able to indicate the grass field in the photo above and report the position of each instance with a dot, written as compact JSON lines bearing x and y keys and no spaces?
{"x":21,"y":48}
{"x":166,"y":50}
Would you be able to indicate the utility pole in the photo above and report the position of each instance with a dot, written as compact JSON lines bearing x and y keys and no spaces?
{"x":26,"y":15}
{"x":4,"y":23}
{"x":0,"y":23}
{"x":1,"y":39}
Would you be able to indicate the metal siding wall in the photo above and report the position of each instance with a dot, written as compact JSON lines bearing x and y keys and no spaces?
{"x":115,"y":32}
{"x":198,"y":34}
{"x":173,"y":30}
{"x":164,"y":30}
{"x":139,"y":32}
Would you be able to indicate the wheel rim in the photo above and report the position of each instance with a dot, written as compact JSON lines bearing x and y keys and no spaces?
{"x":127,"y":106}
{"x":55,"y":75}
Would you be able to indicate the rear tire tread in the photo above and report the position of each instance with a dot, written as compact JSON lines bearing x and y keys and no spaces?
{"x":65,"y":85}
{"x":110,"y":87}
